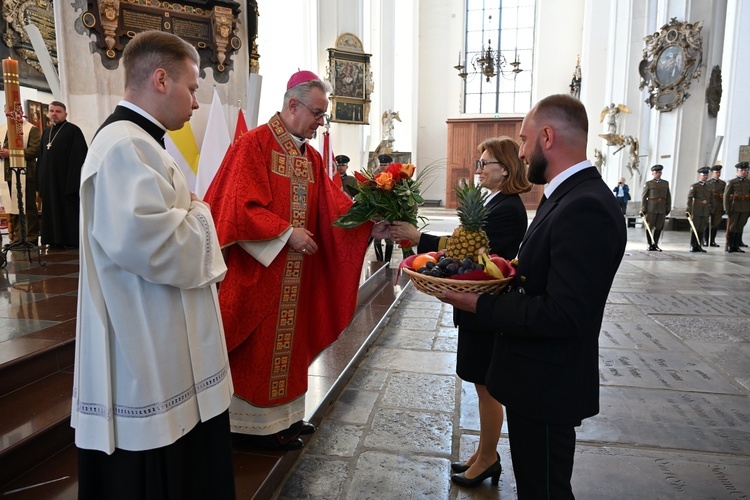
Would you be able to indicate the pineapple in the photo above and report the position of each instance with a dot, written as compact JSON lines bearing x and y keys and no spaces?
{"x":469,"y":238}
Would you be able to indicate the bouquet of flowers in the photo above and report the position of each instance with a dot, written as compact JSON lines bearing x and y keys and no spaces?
{"x":390,"y":195}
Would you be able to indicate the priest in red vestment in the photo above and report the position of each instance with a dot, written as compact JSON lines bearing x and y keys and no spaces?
{"x":292,"y":281}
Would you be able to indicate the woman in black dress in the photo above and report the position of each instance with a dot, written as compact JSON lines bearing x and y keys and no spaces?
{"x":504,"y":175}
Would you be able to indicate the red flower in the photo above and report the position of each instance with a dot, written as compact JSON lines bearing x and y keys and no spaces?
{"x":395,"y":170}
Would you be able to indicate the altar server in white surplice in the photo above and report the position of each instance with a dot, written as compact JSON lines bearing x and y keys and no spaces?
{"x":152,"y":383}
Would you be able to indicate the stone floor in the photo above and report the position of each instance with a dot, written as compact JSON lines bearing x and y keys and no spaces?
{"x":675,"y":381}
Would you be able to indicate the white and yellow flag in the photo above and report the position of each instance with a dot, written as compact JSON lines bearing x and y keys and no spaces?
{"x":216,"y":142}
{"x":183,"y":148}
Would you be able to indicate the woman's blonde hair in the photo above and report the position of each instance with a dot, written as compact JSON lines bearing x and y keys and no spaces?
{"x":505,"y":150}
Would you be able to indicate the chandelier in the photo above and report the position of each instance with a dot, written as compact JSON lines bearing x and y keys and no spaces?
{"x":490,"y":63}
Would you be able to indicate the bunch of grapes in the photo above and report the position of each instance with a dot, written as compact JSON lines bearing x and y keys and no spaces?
{"x":447,"y":267}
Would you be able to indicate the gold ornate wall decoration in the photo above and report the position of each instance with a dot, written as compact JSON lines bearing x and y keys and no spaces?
{"x":16,"y":14}
{"x":209,"y":25}
{"x":671,"y":61}
{"x":351,"y":78}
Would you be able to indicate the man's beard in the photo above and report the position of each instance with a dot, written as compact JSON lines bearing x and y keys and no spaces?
{"x":537,"y":166}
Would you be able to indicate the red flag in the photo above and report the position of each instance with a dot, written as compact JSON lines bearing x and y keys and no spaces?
{"x":329,"y":161}
{"x":241,"y":127}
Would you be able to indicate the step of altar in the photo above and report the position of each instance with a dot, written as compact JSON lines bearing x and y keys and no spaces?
{"x":37,"y":455}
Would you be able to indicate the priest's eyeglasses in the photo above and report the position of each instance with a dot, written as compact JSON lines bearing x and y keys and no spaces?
{"x":318,"y":115}
{"x":483,"y":163}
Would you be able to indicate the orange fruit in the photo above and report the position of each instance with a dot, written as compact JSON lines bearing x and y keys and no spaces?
{"x":421,"y":260}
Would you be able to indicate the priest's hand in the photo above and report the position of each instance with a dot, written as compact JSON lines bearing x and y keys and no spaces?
{"x":464,"y":301}
{"x":301,"y":241}
{"x":380,"y":231}
{"x":4,"y":153}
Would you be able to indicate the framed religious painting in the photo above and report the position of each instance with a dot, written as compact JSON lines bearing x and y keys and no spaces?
{"x":46,"y":122}
{"x":671,"y":61}
{"x":34,"y":112}
{"x":350,"y":111}
{"x":351,"y":79}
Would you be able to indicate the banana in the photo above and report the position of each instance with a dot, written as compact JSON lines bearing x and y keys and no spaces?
{"x":489,"y":266}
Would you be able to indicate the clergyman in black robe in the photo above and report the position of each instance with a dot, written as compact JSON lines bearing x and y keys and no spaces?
{"x":61,"y":157}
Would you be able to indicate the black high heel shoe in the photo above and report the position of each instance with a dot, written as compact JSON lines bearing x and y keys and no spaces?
{"x":459,"y":467}
{"x":493,"y":472}
{"x":462,"y":467}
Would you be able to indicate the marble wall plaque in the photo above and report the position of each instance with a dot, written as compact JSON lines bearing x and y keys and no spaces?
{"x":210,"y":26}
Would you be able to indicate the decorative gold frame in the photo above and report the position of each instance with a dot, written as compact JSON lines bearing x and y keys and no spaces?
{"x":671,"y":60}
{"x":351,"y":79}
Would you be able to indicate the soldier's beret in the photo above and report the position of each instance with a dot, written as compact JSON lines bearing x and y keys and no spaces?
{"x":703,"y":170}
{"x":743,"y":165}
{"x":342,"y":160}
{"x":716,"y":168}
{"x":657,"y":168}
{"x":385,"y":159}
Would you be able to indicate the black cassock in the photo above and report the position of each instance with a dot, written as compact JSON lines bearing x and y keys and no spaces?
{"x":61,"y":155}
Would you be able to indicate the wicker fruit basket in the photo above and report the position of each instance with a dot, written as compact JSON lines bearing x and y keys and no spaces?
{"x":436,"y":286}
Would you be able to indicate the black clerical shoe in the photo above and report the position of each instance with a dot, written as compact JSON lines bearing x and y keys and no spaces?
{"x":493,"y":471}
{"x":307,"y":428}
{"x":294,"y":444}
{"x":697,"y":249}
{"x":713,"y":244}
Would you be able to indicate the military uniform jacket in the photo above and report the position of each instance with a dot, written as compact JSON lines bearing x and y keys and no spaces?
{"x":716,"y":186}
{"x":699,"y":200}
{"x":656,"y":198}
{"x":737,"y":196}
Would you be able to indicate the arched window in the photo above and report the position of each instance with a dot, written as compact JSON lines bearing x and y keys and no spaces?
{"x":499,"y":41}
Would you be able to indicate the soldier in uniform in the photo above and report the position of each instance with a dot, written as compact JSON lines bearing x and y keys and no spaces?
{"x":716,"y":186}
{"x":348,"y":182}
{"x":737,"y":206}
{"x":699,"y":208}
{"x":656,"y":202}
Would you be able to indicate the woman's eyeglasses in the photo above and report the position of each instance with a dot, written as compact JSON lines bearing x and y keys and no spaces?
{"x":483,"y":163}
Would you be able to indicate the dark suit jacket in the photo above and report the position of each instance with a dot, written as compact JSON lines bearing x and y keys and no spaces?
{"x":505,"y":226}
{"x":546,"y":358}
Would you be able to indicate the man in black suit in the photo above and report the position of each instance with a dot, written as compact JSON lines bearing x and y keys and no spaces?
{"x":545,"y":365}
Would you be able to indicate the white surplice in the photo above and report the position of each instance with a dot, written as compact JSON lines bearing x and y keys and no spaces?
{"x":151,"y":359}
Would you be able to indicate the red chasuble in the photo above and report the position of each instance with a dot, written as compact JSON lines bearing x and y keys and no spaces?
{"x":277,"y":319}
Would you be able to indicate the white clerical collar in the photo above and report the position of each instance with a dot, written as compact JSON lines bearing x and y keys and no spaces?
{"x":140,"y":111}
{"x":298,"y":141}
{"x":565,"y":175}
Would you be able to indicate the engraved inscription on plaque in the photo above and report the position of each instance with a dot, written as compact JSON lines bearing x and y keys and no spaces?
{"x":188,"y":29}
{"x":209,"y":25}
{"x":140,"y":20}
